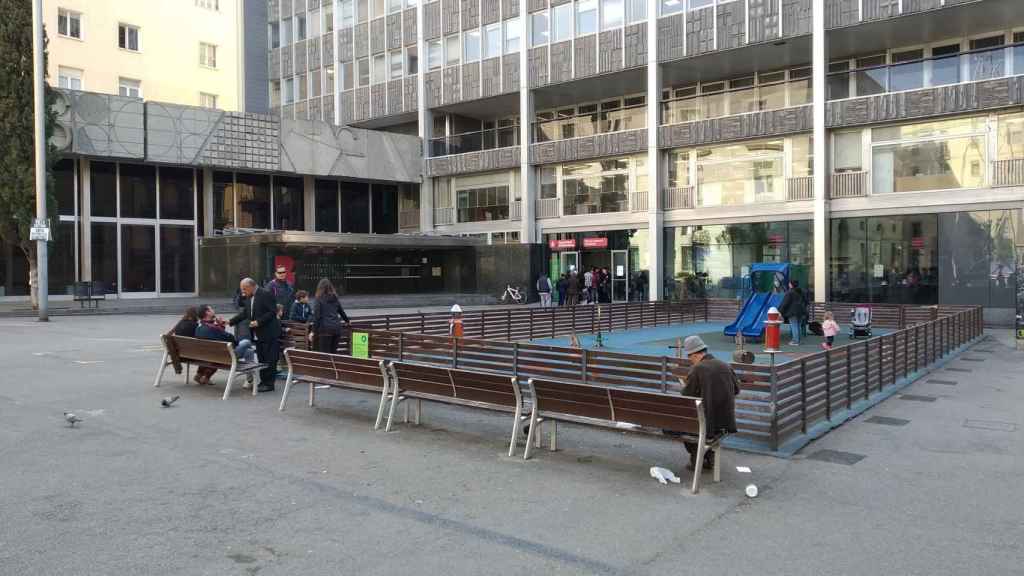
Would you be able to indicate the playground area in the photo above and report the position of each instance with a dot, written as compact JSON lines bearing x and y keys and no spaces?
{"x":662,"y":341}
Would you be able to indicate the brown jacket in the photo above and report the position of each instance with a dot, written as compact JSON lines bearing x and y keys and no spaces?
{"x":716,"y":383}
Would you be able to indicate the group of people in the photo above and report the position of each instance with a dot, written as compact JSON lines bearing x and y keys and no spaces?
{"x":258,"y":329}
{"x":795,"y":309}
{"x":593,"y":286}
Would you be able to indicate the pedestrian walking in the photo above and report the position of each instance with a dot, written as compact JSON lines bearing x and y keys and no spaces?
{"x":284,"y":293}
{"x":544,"y":289}
{"x":326,"y":319}
{"x":260,"y":315}
{"x":572,"y":288}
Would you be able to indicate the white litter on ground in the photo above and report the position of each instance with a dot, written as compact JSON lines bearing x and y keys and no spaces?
{"x":743,"y":469}
{"x":663,"y":475}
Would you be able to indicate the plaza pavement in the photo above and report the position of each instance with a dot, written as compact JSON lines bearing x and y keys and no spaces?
{"x":236,"y":487}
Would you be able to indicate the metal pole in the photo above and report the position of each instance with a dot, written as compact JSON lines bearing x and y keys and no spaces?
{"x":42,"y":277}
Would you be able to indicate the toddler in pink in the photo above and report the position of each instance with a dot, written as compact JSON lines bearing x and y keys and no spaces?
{"x":829,"y":328}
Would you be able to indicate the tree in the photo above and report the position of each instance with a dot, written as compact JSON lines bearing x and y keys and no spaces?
{"x":17,"y":152}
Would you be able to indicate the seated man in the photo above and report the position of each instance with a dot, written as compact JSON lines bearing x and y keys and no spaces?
{"x":713,"y":381}
{"x":213,"y":328}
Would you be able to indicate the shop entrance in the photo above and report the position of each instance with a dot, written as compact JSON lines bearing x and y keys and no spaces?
{"x":570,"y":261}
{"x":620,"y":275}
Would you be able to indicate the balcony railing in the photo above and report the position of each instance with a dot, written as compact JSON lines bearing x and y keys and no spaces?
{"x":969,"y":66}
{"x":475,"y":141}
{"x":1008,"y":173}
{"x":548,"y":208}
{"x":600,"y":122}
{"x":800,"y":188}
{"x":444,"y":216}
{"x":850,"y":184}
{"x":515,"y":210}
{"x":733,"y":102}
{"x":638,"y":202}
{"x":409,"y":218}
{"x":678,"y":198}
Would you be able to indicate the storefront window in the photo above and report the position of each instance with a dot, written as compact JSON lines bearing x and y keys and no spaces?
{"x":482,"y":204}
{"x":104,"y":255}
{"x":596,"y":187}
{"x":326,"y":206}
{"x":288,"y":203}
{"x":622,"y":254}
{"x":223,"y":200}
{"x":738,"y":174}
{"x":138,"y":191}
{"x":62,"y":259}
{"x":177,"y":259}
{"x":138,"y":258}
{"x":977,"y":257}
{"x":103,"y":189}
{"x":939,"y":155}
{"x":253,"y":201}
{"x":177,"y":193}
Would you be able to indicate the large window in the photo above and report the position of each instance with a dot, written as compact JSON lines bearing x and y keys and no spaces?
{"x":561,"y":22}
{"x":539,"y":29}
{"x":138,"y":191}
{"x":939,"y":155}
{"x":451,"y":50}
{"x":177,"y":193}
{"x":471,"y":46}
{"x":253,"y":201}
{"x":586,"y":17}
{"x":326,"y":196}
{"x":288,"y":205}
{"x":599,"y":186}
{"x":69,"y":23}
{"x":612,"y":14}
{"x":435,"y":54}
{"x":1010,"y":137}
{"x":482,"y":204}
{"x":512,"y":36}
{"x":747,"y":173}
{"x":492,"y":40}
{"x":103,"y":238}
{"x":223,"y":200}
{"x":177,"y":262}
{"x":138,"y":258}
{"x":765,"y":91}
{"x":128,"y":37}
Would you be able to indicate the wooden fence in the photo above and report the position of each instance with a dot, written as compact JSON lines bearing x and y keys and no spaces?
{"x":775,"y":404}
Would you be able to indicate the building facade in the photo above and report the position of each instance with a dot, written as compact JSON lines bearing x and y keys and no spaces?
{"x":178,"y":51}
{"x":874,"y":144}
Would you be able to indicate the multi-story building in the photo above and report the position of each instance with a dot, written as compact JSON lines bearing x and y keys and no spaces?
{"x":878,"y":145}
{"x":178,"y":51}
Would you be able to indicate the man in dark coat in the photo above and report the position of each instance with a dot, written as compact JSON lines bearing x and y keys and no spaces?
{"x":260,"y":314}
{"x":713,"y":381}
{"x":283,"y":292}
{"x":794,"y":310}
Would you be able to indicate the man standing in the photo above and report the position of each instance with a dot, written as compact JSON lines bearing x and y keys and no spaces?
{"x":260,"y":314}
{"x":588,"y":285}
{"x":794,"y":309}
{"x":544,"y":289}
{"x":716,"y":384}
{"x":283,"y":292}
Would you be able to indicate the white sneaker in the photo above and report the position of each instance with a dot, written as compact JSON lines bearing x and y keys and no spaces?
{"x":794,"y":343}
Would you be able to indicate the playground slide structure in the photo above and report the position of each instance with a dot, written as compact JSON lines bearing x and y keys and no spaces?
{"x":755,"y":328}
{"x":751,"y":310}
{"x":754,"y":312}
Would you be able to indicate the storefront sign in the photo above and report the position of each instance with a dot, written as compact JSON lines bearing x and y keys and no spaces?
{"x":360,"y":345}
{"x":776,"y":239}
{"x":595,"y":242}
{"x":562,"y":244}
{"x":917,"y":242}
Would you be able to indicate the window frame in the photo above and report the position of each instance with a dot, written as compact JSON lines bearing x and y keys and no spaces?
{"x":123,"y":80}
{"x":138,"y":37}
{"x":207,"y":49}
{"x":68,"y":15}
{"x":80,"y":77}
{"x":208,"y":96}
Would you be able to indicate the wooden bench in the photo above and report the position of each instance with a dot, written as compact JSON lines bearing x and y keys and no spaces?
{"x":296,"y":334}
{"x":336,"y":371}
{"x":452,"y":386}
{"x":632,"y":410}
{"x":179,"y":350}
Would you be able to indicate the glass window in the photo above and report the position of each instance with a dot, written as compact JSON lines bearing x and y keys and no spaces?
{"x":636,"y":11}
{"x":314,"y":24}
{"x":315,"y":83}
{"x":612,"y":14}
{"x":451,"y":50}
{"x":482,"y":204}
{"x":138,"y":258}
{"x":945,"y":65}
{"x":288,"y":203}
{"x":1018,"y":53}
{"x":988,"y":59}
{"x":772,"y":96}
{"x":130,"y":88}
{"x":355,"y":207}
{"x":103,"y":237}
{"x":548,"y":182}
{"x":412,"y":60}
{"x":275,"y":93}
{"x":679,"y":169}
{"x":223,"y":200}
{"x":69,"y":78}
{"x":348,"y":80}
{"x":839,"y":80}
{"x":965,"y":268}
{"x":128,"y":37}
{"x":561,"y":22}
{"x":64,"y":186}
{"x":287,"y":31}
{"x":394,"y":5}
{"x":471,"y":46}
{"x":802,"y":156}
{"x":596,"y":187}
{"x":326,"y":195}
{"x":289,"y":91}
{"x":385,"y":208}
{"x":748,"y":173}
{"x":672,"y":6}
{"x":871,"y":76}
{"x":380,"y":71}
{"x":207,"y":55}
{"x":907,"y":70}
{"x":302,"y":85}
{"x":62,"y":258}
{"x":177,"y":193}
{"x":1010,"y":137}
{"x":364,"y":71}
{"x":138,"y":191}
{"x":848,"y":152}
{"x":435,"y":54}
{"x":539,"y":29}
{"x":362,"y":10}
{"x":512,"y":35}
{"x":929,"y":165}
{"x":103,"y":189}
{"x":378,"y":8}
{"x":346,"y":15}
{"x":208,"y":100}
{"x":799,"y":87}
{"x":586,"y":17}
{"x":275,"y":35}
{"x":300,"y":27}
{"x":69,"y":23}
{"x":328,"y":19}
{"x":396,"y":64}
{"x":695,"y":4}
{"x":177,"y":257}
{"x":492,"y":40}
{"x":328,"y":80}
{"x":253,"y":201}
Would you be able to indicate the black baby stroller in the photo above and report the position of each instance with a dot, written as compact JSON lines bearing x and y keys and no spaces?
{"x":860,"y":322}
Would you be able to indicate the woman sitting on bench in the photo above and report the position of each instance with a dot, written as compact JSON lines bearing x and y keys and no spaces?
{"x":213,"y":328}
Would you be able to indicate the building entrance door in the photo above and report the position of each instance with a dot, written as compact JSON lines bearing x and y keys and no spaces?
{"x":620,"y":275}
{"x":570,"y":262}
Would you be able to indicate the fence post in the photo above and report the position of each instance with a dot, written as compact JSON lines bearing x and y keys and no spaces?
{"x":803,"y":395}
{"x":455,"y":352}
{"x":515,"y":360}
{"x":849,"y":376}
{"x":553,"y":322}
{"x":401,"y":345}
{"x":773,"y":379}
{"x":423,"y":323}
{"x":881,"y":363}
{"x":917,"y":358}
{"x":483,"y":324}
{"x":664,"y":374}
{"x":531,"y":323}
{"x":828,"y":385}
{"x":573,"y":330}
{"x":583,"y":364}
{"x":387,"y":323}
{"x":508,"y":324}
{"x":906,"y":352}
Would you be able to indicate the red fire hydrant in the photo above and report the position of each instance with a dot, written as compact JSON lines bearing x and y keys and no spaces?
{"x":772,"y":327}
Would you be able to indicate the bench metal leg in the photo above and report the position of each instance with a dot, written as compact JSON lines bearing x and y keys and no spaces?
{"x":188,"y":371}
{"x":227,"y":387}
{"x":419,"y":410}
{"x":287,"y":389}
{"x":255,"y":385}
{"x":160,"y":373}
{"x":698,"y":467}
{"x":383,"y":402}
{"x":405,"y":413}
{"x":718,"y":463}
{"x":395,"y":397}
{"x":312,"y":394}
{"x":516,"y":423}
{"x":530,"y":435}
{"x":554,"y":434}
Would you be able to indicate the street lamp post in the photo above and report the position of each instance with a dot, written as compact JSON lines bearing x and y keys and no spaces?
{"x":42,"y":277}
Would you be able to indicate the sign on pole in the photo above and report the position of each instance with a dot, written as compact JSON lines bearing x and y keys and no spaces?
{"x":360,"y":344}
{"x":40,"y":230}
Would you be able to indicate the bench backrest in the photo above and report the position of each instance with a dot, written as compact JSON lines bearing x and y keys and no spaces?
{"x":199,"y":350}
{"x":172,"y":351}
{"x":298,"y":334}
{"x":336,"y":368}
{"x":463,"y":385}
{"x":615,"y":405}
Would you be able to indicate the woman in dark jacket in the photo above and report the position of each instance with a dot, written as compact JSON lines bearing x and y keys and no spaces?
{"x":187,"y":325}
{"x":326,"y":320}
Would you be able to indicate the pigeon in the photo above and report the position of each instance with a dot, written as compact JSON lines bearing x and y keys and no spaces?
{"x":168,"y":400}
{"x":71,"y":419}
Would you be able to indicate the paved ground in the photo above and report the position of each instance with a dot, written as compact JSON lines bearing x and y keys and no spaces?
{"x":235,"y":487}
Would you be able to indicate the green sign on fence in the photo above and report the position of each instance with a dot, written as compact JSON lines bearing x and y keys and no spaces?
{"x":360,"y":344}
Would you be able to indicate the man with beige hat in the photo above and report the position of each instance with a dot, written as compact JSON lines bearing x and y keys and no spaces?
{"x":713,"y":381}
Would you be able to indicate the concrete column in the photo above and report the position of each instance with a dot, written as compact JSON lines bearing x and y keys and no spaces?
{"x":656,"y":218}
{"x":821,"y":176}
{"x":527,"y":175}
{"x":206,"y":197}
{"x":309,"y":203}
{"x":426,"y":126}
{"x":84,"y":214}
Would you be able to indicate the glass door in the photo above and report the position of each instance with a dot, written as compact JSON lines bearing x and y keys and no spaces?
{"x":620,"y":276}
{"x":570,"y":262}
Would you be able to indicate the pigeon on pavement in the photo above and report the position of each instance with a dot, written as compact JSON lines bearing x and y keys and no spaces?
{"x":168,"y":400}
{"x":71,"y":419}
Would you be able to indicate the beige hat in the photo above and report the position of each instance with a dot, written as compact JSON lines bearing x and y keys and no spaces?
{"x":693,"y":344}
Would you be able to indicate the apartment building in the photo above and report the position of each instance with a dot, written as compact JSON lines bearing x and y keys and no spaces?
{"x":178,"y":51}
{"x":877,"y":145}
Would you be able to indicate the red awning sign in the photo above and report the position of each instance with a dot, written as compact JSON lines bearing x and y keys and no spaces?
{"x":562,"y":244}
{"x":595,"y":242}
